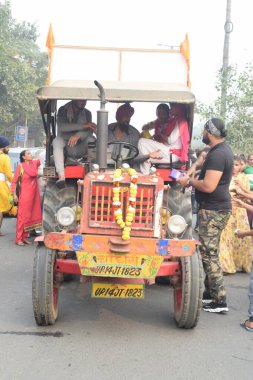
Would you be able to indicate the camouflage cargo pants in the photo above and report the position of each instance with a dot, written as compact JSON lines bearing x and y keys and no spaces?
{"x":211,"y":224}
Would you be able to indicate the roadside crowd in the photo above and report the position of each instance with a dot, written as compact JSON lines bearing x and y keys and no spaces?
{"x":222,"y":185}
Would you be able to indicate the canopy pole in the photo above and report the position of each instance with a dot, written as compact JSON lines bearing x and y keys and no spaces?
{"x":50,"y":43}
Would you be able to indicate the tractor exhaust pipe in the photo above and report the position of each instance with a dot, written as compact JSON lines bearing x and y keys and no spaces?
{"x":102,"y":130}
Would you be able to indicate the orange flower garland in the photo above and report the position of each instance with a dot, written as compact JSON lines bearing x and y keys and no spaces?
{"x":125,"y":225}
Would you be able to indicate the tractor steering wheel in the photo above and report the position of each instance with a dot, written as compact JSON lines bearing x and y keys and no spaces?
{"x":133,"y":152}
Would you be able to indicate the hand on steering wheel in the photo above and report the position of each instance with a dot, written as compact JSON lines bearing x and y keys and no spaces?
{"x":133,"y":150}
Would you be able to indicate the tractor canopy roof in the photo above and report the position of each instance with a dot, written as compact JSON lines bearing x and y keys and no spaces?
{"x":115,"y":92}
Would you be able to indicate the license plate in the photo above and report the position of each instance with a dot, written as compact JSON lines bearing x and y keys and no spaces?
{"x":117,"y":290}
{"x":122,"y":266}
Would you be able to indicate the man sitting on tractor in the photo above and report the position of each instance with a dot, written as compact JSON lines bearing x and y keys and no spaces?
{"x":75,"y":127}
{"x":122,"y":131}
{"x":171,"y":137}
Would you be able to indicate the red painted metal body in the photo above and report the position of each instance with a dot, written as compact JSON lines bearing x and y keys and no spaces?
{"x":67,"y":266}
{"x":99,"y":236}
{"x":165,"y":173}
{"x":75,"y":171}
{"x":167,"y":268}
{"x":98,"y":243}
{"x":105,"y":245}
{"x":98,"y":214}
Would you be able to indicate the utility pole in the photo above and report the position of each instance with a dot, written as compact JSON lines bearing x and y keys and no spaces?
{"x":26,"y":132}
{"x":228,"y":27}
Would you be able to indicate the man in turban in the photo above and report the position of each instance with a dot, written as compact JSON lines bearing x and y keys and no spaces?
{"x":122,"y":131}
{"x":5,"y":175}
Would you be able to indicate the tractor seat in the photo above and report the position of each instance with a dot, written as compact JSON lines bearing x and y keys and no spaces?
{"x":70,"y":161}
{"x":173,"y":165}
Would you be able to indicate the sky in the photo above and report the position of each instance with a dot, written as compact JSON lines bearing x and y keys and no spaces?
{"x":148,"y":24}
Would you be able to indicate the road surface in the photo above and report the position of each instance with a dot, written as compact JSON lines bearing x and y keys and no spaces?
{"x":115,"y":339}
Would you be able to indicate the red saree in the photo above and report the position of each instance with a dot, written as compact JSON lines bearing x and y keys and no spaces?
{"x":29,"y":206}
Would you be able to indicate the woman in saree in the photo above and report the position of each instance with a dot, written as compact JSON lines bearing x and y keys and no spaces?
{"x":29,"y":206}
{"x":236,"y":254}
{"x":171,"y":136}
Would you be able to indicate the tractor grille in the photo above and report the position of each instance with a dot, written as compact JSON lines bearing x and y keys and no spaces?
{"x":101,"y":207}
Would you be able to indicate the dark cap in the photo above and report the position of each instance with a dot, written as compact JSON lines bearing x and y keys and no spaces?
{"x":4,"y":142}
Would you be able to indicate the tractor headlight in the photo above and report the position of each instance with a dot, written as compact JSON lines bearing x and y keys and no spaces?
{"x":65,"y":216}
{"x":176,"y":224}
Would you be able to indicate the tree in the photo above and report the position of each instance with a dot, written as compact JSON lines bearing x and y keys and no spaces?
{"x":239,"y":107}
{"x":23,"y":68}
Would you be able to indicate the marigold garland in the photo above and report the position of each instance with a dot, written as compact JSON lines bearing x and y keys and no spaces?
{"x":118,"y":213}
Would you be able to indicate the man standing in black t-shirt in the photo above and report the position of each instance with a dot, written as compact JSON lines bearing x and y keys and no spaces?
{"x":212,"y":194}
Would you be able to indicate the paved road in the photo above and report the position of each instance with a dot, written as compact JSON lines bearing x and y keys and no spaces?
{"x":103,"y":339}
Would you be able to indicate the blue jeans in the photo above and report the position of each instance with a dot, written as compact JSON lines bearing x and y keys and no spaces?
{"x":251,"y":296}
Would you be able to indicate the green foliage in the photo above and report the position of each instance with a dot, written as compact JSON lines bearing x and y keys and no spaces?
{"x":238,"y":87}
{"x":23,"y":68}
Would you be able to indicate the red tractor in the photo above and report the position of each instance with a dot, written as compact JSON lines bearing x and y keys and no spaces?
{"x":119,"y":251}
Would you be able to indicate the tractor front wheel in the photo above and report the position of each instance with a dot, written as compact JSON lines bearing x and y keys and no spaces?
{"x":54,"y":199}
{"x":188,"y":292}
{"x":44,"y":287}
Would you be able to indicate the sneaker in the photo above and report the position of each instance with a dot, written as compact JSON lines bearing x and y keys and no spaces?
{"x":214,"y":307}
{"x":207,"y":298}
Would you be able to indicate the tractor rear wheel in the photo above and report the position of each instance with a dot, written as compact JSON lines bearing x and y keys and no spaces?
{"x":44,"y":287}
{"x":54,"y":199}
{"x":188,"y":292}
